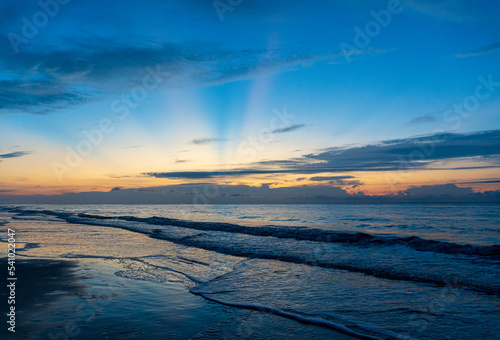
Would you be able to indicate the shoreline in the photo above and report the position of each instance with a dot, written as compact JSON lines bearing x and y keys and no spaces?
{"x":84,"y":299}
{"x":64,"y":296}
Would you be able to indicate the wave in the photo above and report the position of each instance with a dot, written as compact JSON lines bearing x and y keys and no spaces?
{"x":293,"y":316}
{"x":318,"y":235}
{"x":305,"y":246}
{"x":298,"y":233}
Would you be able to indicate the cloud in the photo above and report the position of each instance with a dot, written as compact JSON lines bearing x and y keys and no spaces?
{"x":206,"y":141}
{"x":89,"y":68}
{"x":188,"y":194}
{"x":450,"y":10}
{"x":14,"y":154}
{"x":181,"y":174}
{"x":423,"y":119}
{"x":414,"y":152}
{"x":337,"y":180}
{"x":244,"y":194}
{"x":391,"y":155}
{"x":438,"y":190}
{"x":482,"y":51}
{"x":329,"y":178}
{"x":228,"y":173}
{"x":132,"y":147}
{"x":208,"y":174}
{"x":482,"y":182}
{"x":288,"y":128}
{"x":39,"y":96}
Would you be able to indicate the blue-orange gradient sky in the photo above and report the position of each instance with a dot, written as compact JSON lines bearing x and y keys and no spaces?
{"x":357,"y":95}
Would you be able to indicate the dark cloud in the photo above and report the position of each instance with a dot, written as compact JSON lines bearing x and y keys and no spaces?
{"x":243,"y":194}
{"x":329,"y":178}
{"x":206,"y":141}
{"x":57,"y":78}
{"x":181,"y":174}
{"x":39,"y":96}
{"x":190,"y":193}
{"x":213,"y":174}
{"x":415,"y":152}
{"x":392,"y":155}
{"x":289,"y":128}
{"x":482,"y":182}
{"x":438,"y":190}
{"x":337,"y":180}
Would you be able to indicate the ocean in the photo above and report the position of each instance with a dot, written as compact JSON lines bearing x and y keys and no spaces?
{"x":374,"y":271}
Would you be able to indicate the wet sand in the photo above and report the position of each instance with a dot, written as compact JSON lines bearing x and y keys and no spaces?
{"x":41,"y":286}
{"x":61,"y":299}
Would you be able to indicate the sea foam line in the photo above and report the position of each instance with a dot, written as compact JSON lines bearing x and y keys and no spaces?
{"x":195,"y":241}
{"x":280,"y":312}
{"x":319,"y":235}
{"x":298,"y":233}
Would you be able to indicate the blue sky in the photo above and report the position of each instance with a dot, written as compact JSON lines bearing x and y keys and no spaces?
{"x":219,"y":81}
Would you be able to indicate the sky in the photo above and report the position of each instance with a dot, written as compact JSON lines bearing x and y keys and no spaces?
{"x":203,"y":99}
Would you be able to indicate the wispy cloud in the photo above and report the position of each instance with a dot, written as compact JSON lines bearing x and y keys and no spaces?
{"x":451,"y":10}
{"x":40,"y":95}
{"x":46,"y":78}
{"x":14,"y":154}
{"x":207,"y":174}
{"x":337,"y":180}
{"x":132,"y":147}
{"x":289,"y":128}
{"x":482,"y":51}
{"x":423,"y":119}
{"x":493,"y":181}
{"x":329,"y":178}
{"x":229,"y":173}
{"x":206,"y":141}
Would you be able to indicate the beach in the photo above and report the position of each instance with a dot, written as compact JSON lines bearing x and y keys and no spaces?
{"x":84,"y":288}
{"x":252,"y":272}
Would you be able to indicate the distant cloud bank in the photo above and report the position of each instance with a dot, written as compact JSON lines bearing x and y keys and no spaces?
{"x":243,"y":194}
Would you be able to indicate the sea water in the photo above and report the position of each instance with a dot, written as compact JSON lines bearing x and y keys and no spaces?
{"x":388,"y":271}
